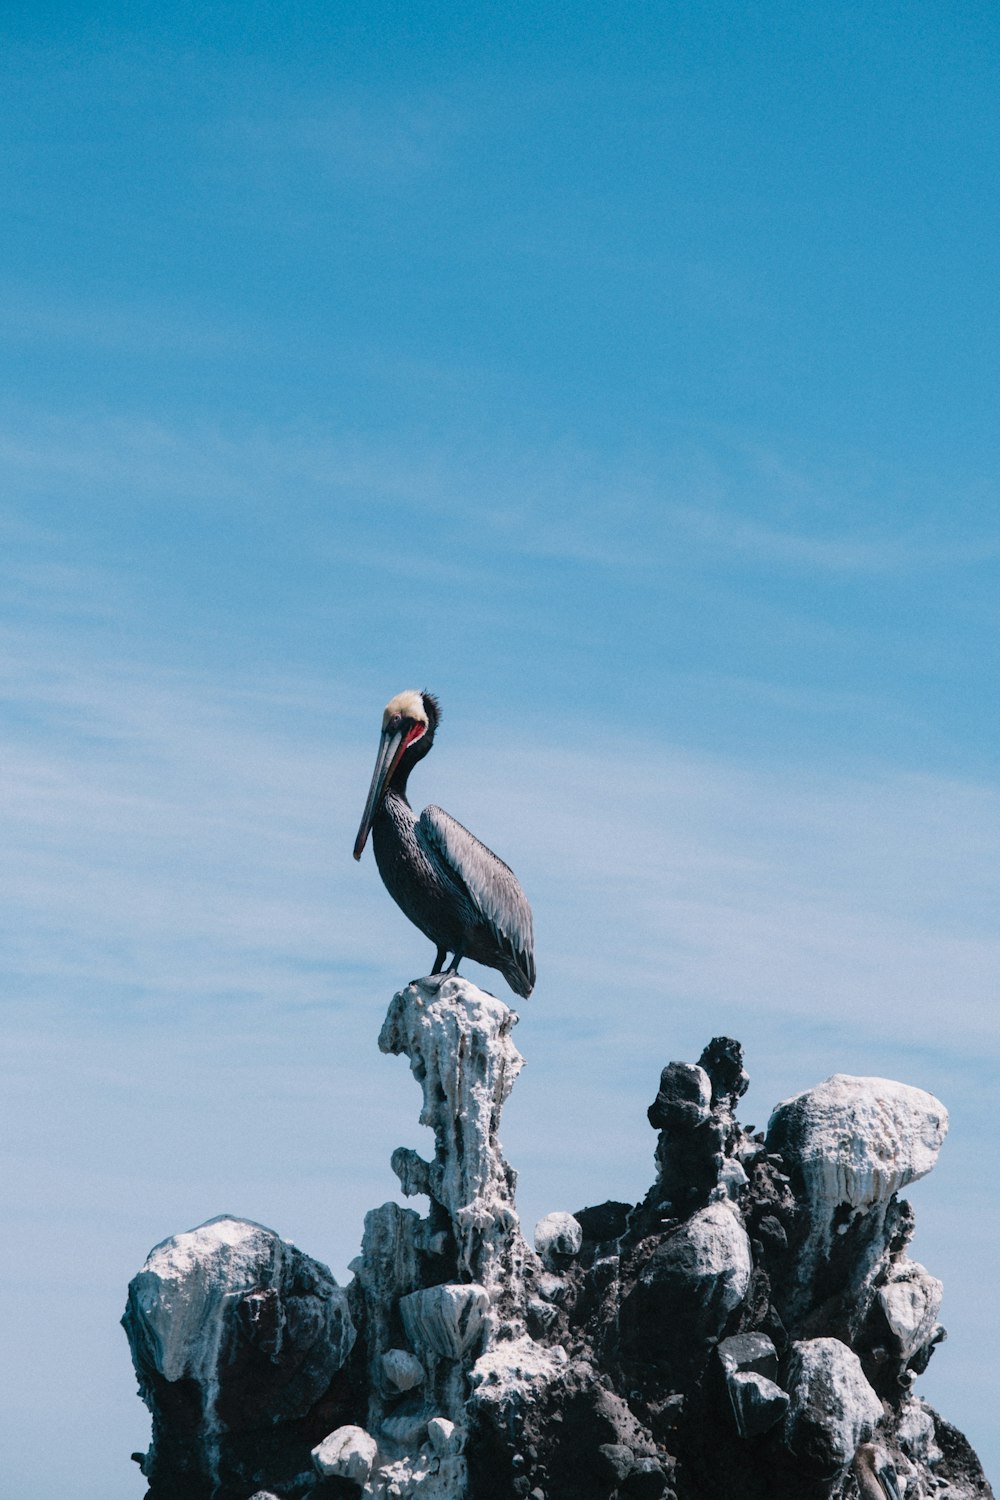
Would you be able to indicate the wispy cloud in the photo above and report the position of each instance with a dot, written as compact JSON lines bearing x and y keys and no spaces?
{"x":364,"y":140}
{"x":155,"y":823}
{"x":861,"y":551}
{"x":637,"y":516}
{"x":114,"y":327}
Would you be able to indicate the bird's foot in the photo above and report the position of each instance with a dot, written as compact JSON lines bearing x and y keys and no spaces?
{"x":431,"y":981}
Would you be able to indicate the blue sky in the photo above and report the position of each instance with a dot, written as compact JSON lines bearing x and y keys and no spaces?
{"x":627,"y":377}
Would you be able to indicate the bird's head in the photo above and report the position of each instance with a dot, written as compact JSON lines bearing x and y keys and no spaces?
{"x":876,"y":1474}
{"x":408,"y":726}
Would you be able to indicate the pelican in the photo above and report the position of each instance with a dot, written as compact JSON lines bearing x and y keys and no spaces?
{"x":875,"y":1474}
{"x":450,"y":885}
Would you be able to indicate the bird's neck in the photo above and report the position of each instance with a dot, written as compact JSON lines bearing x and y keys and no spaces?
{"x":396,"y":801}
{"x":397,"y":786}
{"x":411,"y":756}
{"x":392,"y":824}
{"x":400,"y":777}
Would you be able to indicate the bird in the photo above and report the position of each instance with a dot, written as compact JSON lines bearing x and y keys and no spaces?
{"x":458,"y":892}
{"x":875,"y":1474}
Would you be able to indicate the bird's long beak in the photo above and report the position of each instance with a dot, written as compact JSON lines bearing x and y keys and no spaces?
{"x":390,"y":751}
{"x":886,"y":1476}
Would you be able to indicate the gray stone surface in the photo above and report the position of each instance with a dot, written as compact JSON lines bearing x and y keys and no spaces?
{"x":348,"y":1453}
{"x":557,"y":1237}
{"x":832,"y":1408}
{"x":230,"y":1327}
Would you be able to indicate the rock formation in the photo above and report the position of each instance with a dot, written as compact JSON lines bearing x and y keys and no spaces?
{"x":752,"y":1330}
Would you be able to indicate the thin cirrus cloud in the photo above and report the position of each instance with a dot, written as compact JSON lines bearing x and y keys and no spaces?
{"x":631,"y":517}
{"x":761,"y":885}
{"x":390,"y":142}
{"x":904,"y":549}
{"x":116,"y":328}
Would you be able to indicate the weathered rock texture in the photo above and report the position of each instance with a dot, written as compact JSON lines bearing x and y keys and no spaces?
{"x":751,"y":1331}
{"x":239,"y":1342}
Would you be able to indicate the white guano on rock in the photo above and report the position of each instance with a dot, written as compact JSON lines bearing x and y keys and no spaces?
{"x":186,"y":1283}
{"x":447,"y":1319}
{"x":348,"y":1453}
{"x":853,"y":1143}
{"x":832,"y":1407}
{"x":857,"y":1141}
{"x":707,"y":1261}
{"x":721,"y":1253}
{"x":458,"y":1041}
{"x":516,"y":1370}
{"x":229,"y":1287}
{"x":401,"y":1370}
{"x":911,"y":1302}
{"x":557,"y":1235}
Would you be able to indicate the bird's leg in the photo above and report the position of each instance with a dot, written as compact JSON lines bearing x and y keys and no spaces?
{"x":453,"y":966}
{"x":439,"y":959}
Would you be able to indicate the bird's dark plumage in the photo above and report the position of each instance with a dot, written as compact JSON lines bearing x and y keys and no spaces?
{"x":466,"y":900}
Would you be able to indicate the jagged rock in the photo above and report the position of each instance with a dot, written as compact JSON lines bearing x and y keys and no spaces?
{"x":229,"y":1283}
{"x":388,"y":1268}
{"x":832,"y":1408}
{"x":445,"y":1437}
{"x":426,"y":1474}
{"x":690,"y":1284}
{"x":484,"y":1370}
{"x":348,"y":1453}
{"x":915,"y":1432}
{"x":557,"y":1237}
{"x":732,"y":1179}
{"x":616,"y":1461}
{"x":910,"y":1303}
{"x":551,"y":1287}
{"x":646,"y":1481}
{"x":407,"y":1427}
{"x":448,"y":1283}
{"x":230,"y":1326}
{"x":957,"y":1471}
{"x":446,"y":1318}
{"x":604,"y":1223}
{"x":850,"y":1145}
{"x":772,"y":1234}
{"x":549,"y":1422}
{"x":514,"y":1372}
{"x":856,"y":1141}
{"x":748,"y":1351}
{"x":695,"y":1153}
{"x":460,"y":1049}
{"x":402,"y":1370}
{"x":541,"y":1316}
{"x":684,"y":1100}
{"x":413,"y":1171}
{"x":757,"y":1403}
{"x":750,"y":1365}
{"x":722,"y":1060}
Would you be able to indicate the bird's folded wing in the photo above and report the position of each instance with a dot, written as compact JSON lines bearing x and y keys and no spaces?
{"x":492,"y":885}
